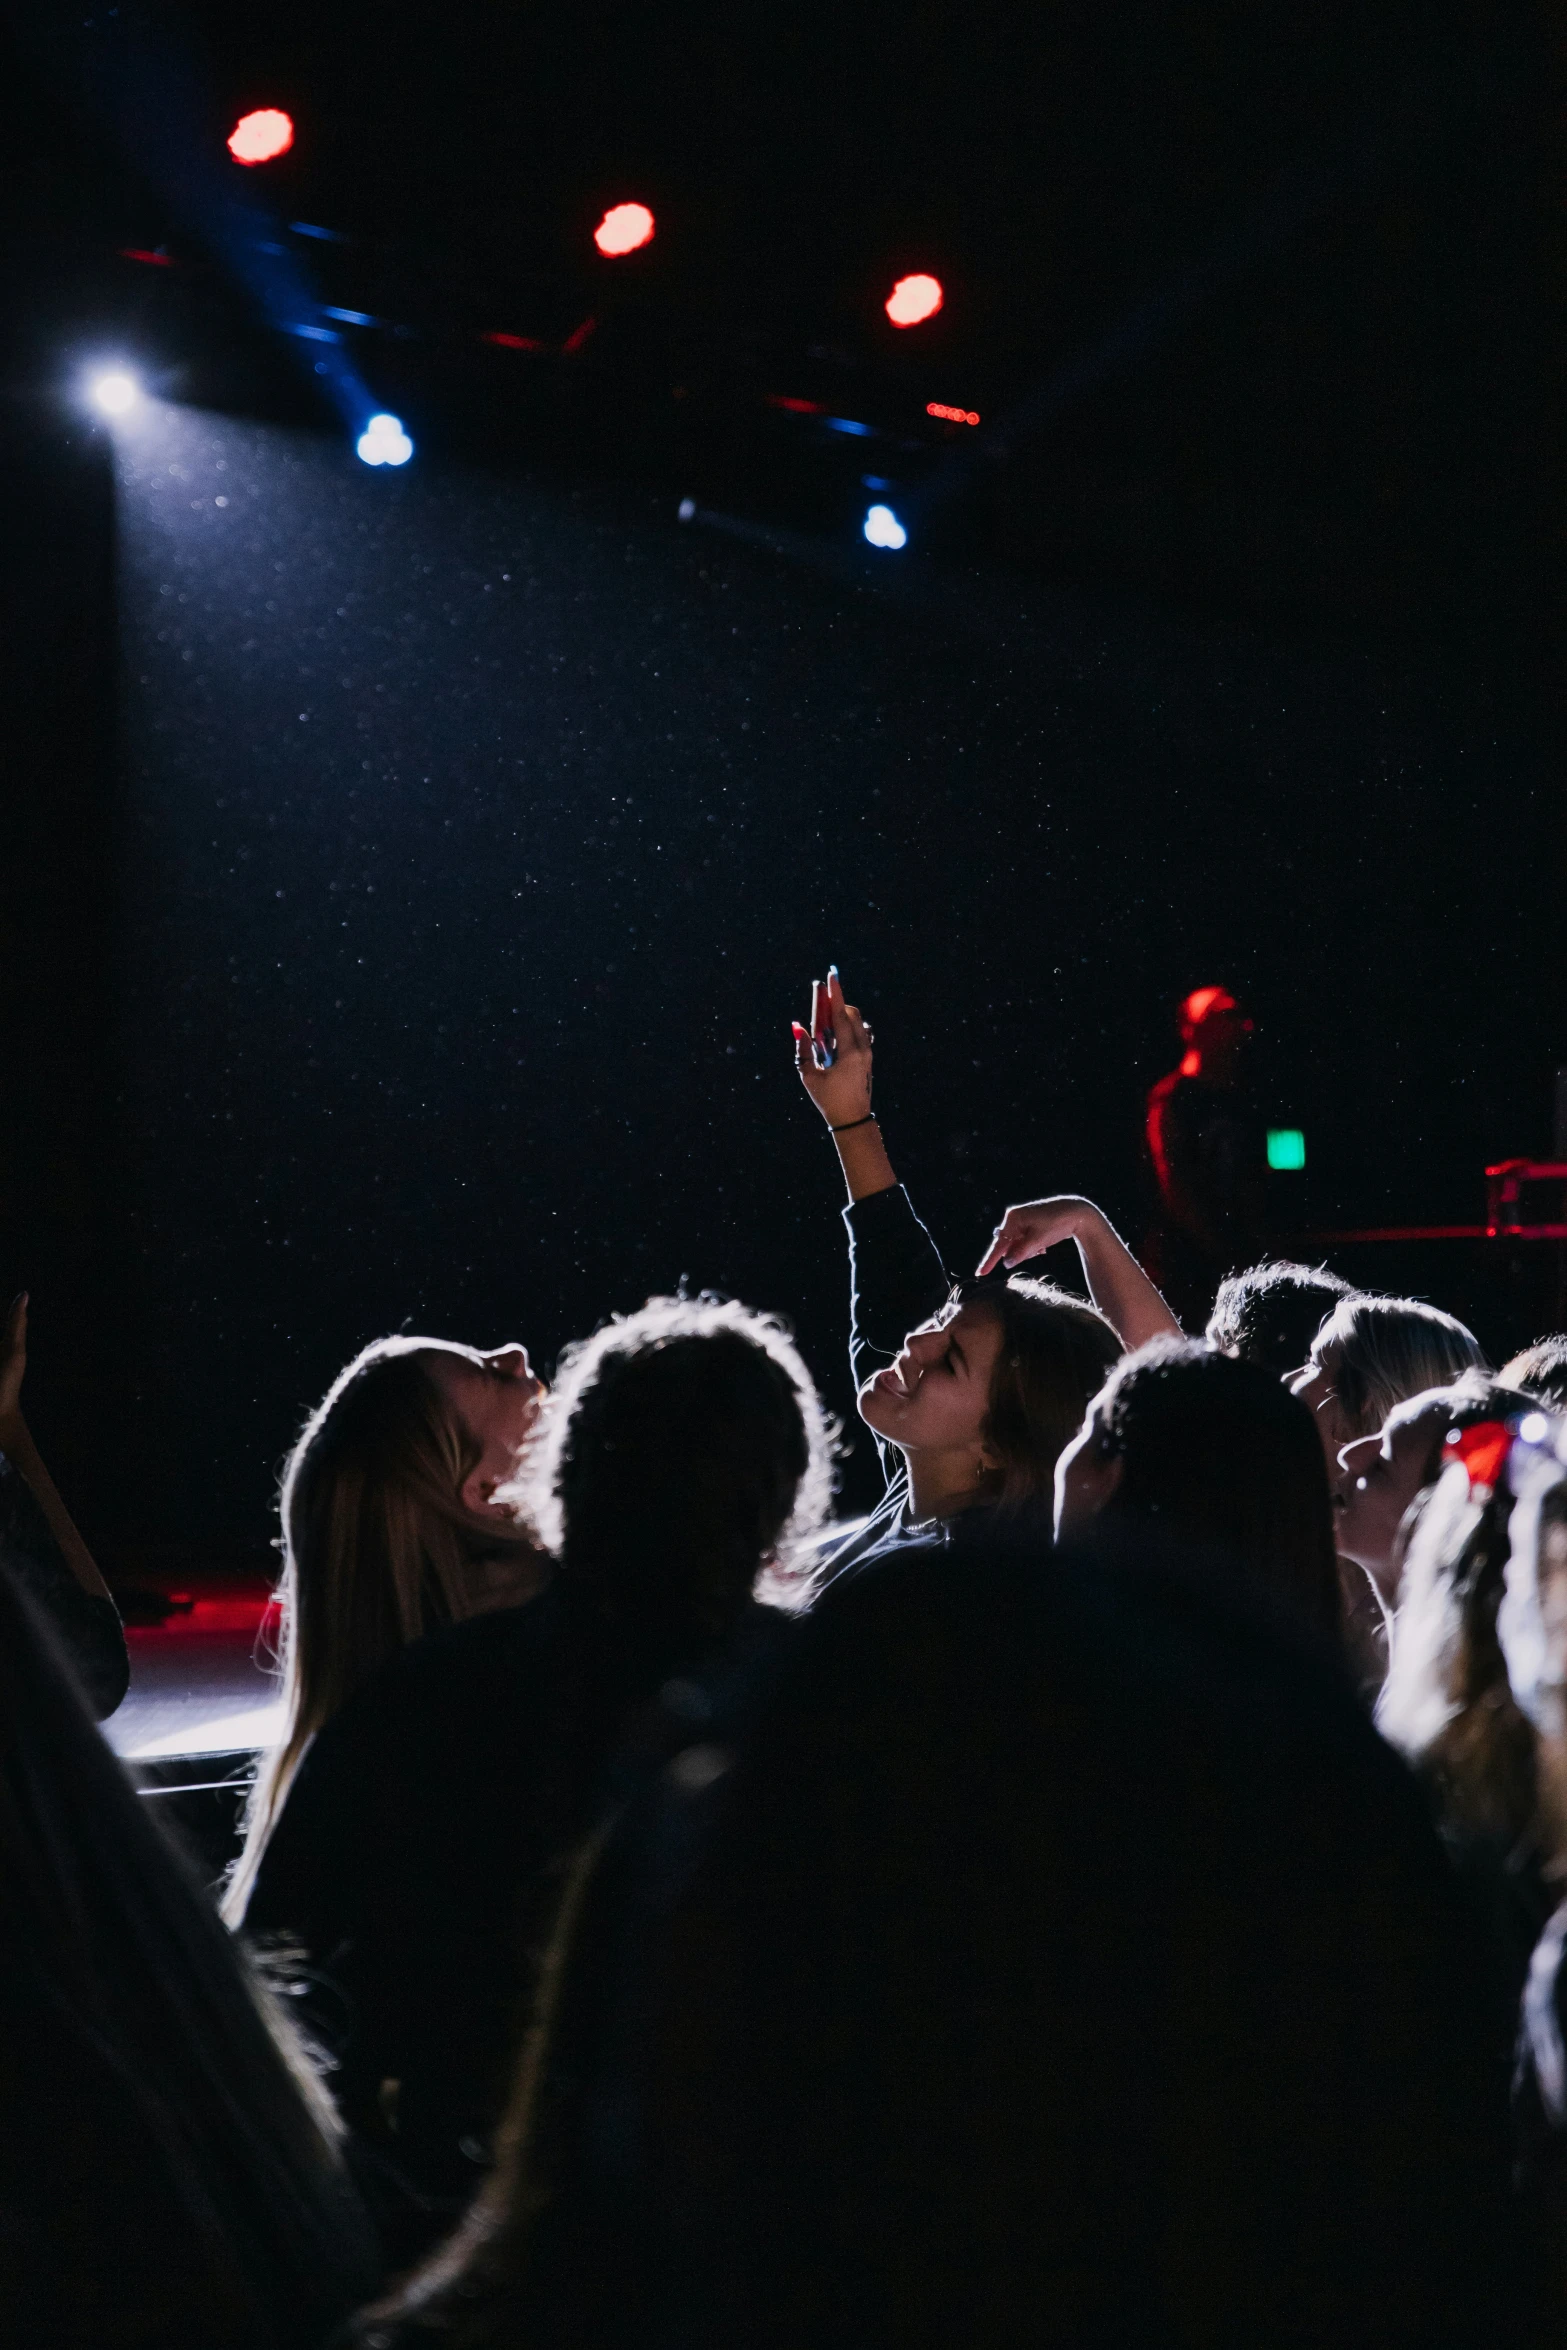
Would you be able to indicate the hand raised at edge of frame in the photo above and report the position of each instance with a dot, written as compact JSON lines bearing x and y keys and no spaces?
{"x":843,"y":1092}
{"x":13,"y":1360}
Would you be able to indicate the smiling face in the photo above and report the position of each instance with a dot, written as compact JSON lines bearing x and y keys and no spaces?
{"x":933,"y":1400}
{"x":496,"y":1397}
{"x":1377,"y":1477}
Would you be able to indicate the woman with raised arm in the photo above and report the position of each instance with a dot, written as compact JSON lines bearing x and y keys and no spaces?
{"x":971,"y":1388}
{"x":43,"y":1549}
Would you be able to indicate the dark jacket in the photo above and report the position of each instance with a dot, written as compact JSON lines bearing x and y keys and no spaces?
{"x":416,"y":1867}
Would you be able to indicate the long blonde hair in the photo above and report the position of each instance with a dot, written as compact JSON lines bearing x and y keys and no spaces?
{"x":378,"y":1549}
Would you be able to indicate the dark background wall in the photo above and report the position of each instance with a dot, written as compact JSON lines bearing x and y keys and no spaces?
{"x":410,"y":880}
{"x":483,"y":835}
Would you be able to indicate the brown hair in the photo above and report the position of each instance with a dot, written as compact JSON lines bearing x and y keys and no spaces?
{"x":1218,"y":1453}
{"x":377,"y":1550}
{"x":1056,"y":1353}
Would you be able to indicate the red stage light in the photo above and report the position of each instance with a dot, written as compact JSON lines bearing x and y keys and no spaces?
{"x":261,"y":137}
{"x":623,"y":229}
{"x":952,"y":415}
{"x":914,"y":299}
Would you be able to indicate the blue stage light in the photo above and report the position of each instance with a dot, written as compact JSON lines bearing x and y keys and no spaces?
{"x":883,"y":529}
{"x":384,"y":442}
{"x":114,"y":392}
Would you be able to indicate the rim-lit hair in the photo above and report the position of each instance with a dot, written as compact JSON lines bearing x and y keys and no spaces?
{"x":682,"y":1459}
{"x":1055,"y":1354}
{"x":1392,"y":1348}
{"x":1271,"y":1313}
{"x":377,"y":1550}
{"x":1541,"y":1371}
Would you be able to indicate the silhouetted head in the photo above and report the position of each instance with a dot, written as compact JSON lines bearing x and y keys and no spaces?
{"x":1270,"y":1313}
{"x":1215,"y":1032}
{"x":684,"y":1450}
{"x":1217,"y":1455}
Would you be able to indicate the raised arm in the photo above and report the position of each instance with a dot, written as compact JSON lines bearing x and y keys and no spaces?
{"x":1117,"y":1283}
{"x":56,"y":1564}
{"x":842,"y":1093}
{"x":896,"y":1276}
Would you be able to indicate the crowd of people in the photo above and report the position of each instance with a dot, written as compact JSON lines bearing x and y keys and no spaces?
{"x":1112,"y":1893}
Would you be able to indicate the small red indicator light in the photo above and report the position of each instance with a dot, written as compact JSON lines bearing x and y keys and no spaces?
{"x":514,"y":342}
{"x":914,"y":299}
{"x":140,"y":253}
{"x":795,"y":407}
{"x":623,"y":229}
{"x":261,"y":137}
{"x":952,"y":415}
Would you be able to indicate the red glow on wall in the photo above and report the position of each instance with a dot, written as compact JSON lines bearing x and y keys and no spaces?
{"x":795,"y":407}
{"x":623,"y":229}
{"x":914,"y":299}
{"x":261,"y":137}
{"x":952,"y":415}
{"x":140,"y":253}
{"x":514,"y":342}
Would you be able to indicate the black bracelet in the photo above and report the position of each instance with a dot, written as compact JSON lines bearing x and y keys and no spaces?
{"x":869,"y":1119}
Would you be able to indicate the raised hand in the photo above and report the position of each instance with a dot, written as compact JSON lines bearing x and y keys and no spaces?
{"x":842,"y":1092}
{"x":1116,"y":1281}
{"x":1038,"y":1224}
{"x":13,"y":1363}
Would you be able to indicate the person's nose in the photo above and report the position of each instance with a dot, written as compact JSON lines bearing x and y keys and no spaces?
{"x":511,"y":1361}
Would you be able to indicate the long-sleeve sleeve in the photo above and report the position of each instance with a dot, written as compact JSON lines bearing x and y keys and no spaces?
{"x":896,"y":1278}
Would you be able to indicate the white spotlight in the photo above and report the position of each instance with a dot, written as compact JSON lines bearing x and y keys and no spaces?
{"x":384,"y":442}
{"x":115,"y":392}
{"x":883,"y":529}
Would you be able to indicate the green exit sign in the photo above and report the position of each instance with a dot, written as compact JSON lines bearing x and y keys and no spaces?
{"x":1286,"y":1148}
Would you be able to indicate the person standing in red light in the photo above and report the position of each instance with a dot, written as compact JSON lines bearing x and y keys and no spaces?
{"x":1209,"y":1154}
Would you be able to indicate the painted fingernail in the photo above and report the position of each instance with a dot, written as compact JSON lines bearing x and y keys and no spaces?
{"x":797,"y":1029}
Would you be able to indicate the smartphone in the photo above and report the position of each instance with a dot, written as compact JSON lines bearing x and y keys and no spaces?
{"x":822,"y":1037}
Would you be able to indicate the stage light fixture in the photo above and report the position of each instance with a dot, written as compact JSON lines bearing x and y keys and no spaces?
{"x":114,"y":391}
{"x":384,"y":442}
{"x":914,"y":299}
{"x":1286,"y":1149}
{"x":883,"y":529}
{"x":625,"y":228}
{"x":261,"y":137}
